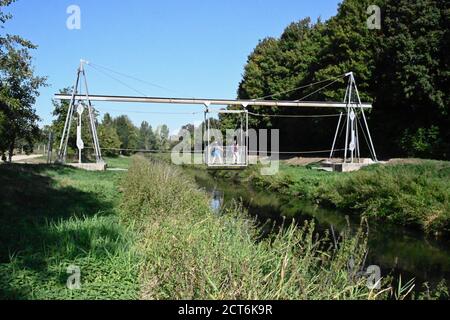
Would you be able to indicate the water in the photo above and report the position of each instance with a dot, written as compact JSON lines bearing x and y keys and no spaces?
{"x":396,"y":250}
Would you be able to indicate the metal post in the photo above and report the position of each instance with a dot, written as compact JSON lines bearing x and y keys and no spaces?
{"x":247,"y":140}
{"x":348,"y":118}
{"x":64,"y":140}
{"x":335,"y":136}
{"x":358,"y":151}
{"x":365,"y":122}
{"x":93,"y":128}
{"x":79,"y":150}
{"x":208,"y":135}
{"x":49,"y":147}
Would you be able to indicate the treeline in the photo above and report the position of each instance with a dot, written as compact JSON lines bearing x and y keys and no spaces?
{"x":403,"y":68}
{"x":120,"y":133}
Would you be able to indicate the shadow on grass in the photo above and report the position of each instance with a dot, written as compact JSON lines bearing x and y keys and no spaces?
{"x":30,"y":203}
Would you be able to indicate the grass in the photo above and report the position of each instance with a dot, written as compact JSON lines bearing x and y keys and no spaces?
{"x":54,"y":217}
{"x":150,"y":234}
{"x":190,"y":253}
{"x":413,"y":195}
{"x":119,"y":162}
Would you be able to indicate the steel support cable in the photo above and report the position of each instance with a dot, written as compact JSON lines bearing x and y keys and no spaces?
{"x":293,"y":116}
{"x":119,"y":81}
{"x":175,"y":91}
{"x":133,"y":77}
{"x":201,"y":152}
{"x":339,"y":136}
{"x":318,"y":90}
{"x":301,"y":87}
{"x":150,"y":112}
{"x":365,"y":138}
{"x":294,"y":152}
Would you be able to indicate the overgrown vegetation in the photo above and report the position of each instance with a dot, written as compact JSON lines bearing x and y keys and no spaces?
{"x":155,"y":237}
{"x":416,"y":195}
{"x":192,"y":254}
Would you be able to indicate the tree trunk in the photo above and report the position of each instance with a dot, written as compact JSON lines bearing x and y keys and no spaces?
{"x":11,"y":151}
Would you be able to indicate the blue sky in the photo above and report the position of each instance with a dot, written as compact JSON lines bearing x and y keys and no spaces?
{"x":195,"y":48}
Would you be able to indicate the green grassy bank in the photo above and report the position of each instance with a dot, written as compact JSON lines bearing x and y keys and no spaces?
{"x":150,"y":234}
{"x":53,"y":217}
{"x":413,"y":195}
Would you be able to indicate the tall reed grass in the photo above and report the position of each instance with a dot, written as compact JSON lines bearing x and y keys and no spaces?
{"x":190,"y":253}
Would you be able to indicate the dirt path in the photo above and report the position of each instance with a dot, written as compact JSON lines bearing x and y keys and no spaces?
{"x":25,"y":158}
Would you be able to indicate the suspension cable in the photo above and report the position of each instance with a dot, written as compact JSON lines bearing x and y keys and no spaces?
{"x":312,"y":93}
{"x":294,"y":152}
{"x":133,"y":77}
{"x":150,"y":112}
{"x":365,"y":137}
{"x":302,"y":87}
{"x":201,"y":152}
{"x":119,"y":81}
{"x":293,"y":116}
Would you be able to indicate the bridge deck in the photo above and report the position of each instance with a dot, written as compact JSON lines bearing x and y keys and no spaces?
{"x":208,"y":102}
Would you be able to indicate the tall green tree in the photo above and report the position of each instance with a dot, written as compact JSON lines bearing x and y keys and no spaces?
{"x":402,"y":68}
{"x":146,"y":137}
{"x":127,"y":133}
{"x":413,"y":79}
{"x":19,"y":87}
{"x":162,"y":138}
{"x":108,"y":138}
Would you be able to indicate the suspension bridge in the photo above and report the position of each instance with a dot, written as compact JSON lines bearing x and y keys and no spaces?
{"x":352,"y":116}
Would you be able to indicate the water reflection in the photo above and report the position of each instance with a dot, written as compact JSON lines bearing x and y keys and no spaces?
{"x":396,"y":250}
{"x":217,"y":198}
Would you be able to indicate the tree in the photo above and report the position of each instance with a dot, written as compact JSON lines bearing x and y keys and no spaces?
{"x":274,"y":70}
{"x":413,"y":79}
{"x":108,"y":137}
{"x":146,"y":137}
{"x":402,"y":68}
{"x":19,"y":88}
{"x":162,"y":138}
{"x":127,"y":133}
{"x":3,"y":128}
{"x":191,"y":129}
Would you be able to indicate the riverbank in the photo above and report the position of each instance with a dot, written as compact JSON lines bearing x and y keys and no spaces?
{"x":191,"y":253}
{"x":150,"y":234}
{"x":415,"y":195}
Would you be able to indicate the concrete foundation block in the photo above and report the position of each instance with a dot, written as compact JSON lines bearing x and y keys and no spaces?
{"x":101,"y":166}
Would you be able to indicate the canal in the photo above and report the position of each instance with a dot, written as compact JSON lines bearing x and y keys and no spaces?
{"x":396,"y":250}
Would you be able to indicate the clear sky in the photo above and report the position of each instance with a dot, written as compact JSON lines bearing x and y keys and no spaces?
{"x":195,"y":48}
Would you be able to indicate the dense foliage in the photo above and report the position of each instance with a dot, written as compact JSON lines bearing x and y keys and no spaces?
{"x":403,"y":68}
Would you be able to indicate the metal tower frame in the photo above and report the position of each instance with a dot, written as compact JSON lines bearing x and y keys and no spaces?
{"x":352,"y":145}
{"x":76,"y":98}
